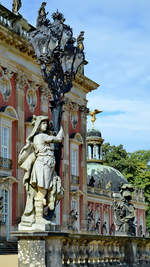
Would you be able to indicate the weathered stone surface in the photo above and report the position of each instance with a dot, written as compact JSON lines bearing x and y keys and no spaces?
{"x":54,"y":252}
{"x":59,"y":249}
{"x":31,"y":253}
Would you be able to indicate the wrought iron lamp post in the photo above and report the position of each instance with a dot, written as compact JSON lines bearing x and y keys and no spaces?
{"x":55,"y":49}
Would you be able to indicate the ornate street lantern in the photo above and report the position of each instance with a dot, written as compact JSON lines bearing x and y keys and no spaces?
{"x":55,"y":49}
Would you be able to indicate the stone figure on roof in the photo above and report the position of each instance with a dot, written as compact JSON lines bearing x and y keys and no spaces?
{"x":42,"y":184}
{"x":80,"y":40}
{"x":16,"y":6}
{"x":42,"y":16}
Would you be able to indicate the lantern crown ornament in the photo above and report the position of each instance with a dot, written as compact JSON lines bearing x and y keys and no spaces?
{"x":54,"y":41}
{"x":60,"y":55}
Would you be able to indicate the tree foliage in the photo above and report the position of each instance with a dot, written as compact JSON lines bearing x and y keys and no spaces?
{"x":134,"y":166}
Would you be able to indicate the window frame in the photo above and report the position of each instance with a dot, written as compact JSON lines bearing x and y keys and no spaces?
{"x":5,"y":147}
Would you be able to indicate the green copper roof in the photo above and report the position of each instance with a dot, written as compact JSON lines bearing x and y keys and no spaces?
{"x":104,"y":174}
{"x":93,"y":132}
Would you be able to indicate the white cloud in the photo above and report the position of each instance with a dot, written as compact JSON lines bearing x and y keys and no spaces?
{"x":129,"y":125}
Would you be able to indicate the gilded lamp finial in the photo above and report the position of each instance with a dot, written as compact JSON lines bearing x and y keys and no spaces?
{"x":93,"y":113}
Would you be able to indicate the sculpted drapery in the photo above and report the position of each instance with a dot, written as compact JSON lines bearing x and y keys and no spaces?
{"x":42,"y":184}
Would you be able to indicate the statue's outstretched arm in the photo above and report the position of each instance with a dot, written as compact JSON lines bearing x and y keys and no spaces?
{"x":56,"y":139}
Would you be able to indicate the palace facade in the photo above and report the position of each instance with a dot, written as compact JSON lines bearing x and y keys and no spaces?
{"x":88,"y":184}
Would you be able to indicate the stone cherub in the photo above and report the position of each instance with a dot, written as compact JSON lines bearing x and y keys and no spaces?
{"x":42,"y":184}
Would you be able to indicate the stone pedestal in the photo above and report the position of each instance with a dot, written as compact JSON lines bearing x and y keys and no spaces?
{"x":39,"y":249}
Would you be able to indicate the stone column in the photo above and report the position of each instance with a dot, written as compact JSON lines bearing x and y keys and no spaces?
{"x":65,"y":168}
{"x":20,"y":84}
{"x":83,"y":111}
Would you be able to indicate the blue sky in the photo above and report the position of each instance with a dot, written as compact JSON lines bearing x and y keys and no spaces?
{"x":117,"y":46}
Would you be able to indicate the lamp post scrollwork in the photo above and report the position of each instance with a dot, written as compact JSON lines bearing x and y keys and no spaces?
{"x":59,"y":58}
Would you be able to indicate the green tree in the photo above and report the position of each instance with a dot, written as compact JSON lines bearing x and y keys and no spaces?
{"x":134,"y":166}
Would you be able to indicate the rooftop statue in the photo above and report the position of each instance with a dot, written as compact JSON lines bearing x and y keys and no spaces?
{"x":42,"y":184}
{"x":42,"y":14}
{"x":124,"y":211}
{"x":80,"y":40}
{"x":16,"y":6}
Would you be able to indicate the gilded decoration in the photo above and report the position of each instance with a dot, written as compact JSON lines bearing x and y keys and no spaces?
{"x":93,"y":115}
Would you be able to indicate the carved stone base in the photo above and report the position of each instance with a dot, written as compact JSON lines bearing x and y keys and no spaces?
{"x":39,"y":249}
{"x":38,"y":227}
{"x":126,"y":230}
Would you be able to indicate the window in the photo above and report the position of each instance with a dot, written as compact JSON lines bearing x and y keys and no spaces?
{"x":74,"y":204}
{"x":5,"y":206}
{"x":5,"y":142}
{"x":74,"y":162}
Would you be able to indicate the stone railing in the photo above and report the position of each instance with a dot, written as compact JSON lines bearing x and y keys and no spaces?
{"x":138,"y":195}
{"x":99,"y":191}
{"x":59,"y":249}
{"x":5,"y":21}
{"x":105,"y":251}
{"x":13,"y":27}
{"x":15,"y":23}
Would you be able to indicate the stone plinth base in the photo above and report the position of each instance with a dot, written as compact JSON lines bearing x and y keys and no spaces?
{"x":39,"y":249}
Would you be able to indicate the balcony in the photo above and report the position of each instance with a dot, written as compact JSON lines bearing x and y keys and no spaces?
{"x":74,"y":179}
{"x":5,"y":163}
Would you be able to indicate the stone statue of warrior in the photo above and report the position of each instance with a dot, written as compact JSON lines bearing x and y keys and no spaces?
{"x":42,"y":184}
{"x":124,"y":211}
{"x":16,"y":6}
